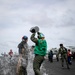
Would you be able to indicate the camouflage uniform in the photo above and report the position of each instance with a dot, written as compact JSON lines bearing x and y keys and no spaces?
{"x":63,"y":52}
{"x":23,"y":46}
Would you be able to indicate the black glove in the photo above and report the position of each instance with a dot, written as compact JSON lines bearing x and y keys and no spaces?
{"x":38,"y":33}
{"x":33,"y":31}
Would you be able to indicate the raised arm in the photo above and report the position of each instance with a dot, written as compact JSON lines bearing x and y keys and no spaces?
{"x":33,"y":38}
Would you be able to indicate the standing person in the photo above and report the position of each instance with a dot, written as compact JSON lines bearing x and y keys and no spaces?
{"x":10,"y":53}
{"x":50,"y":55}
{"x":69,"y":56}
{"x":39,"y":51}
{"x":63,"y":52}
{"x":23,"y":56}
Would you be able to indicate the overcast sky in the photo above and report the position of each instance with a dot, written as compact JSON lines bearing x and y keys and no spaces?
{"x":55,"y":18}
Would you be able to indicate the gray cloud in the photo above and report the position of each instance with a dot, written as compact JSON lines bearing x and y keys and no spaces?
{"x":68,"y":19}
{"x":55,"y":19}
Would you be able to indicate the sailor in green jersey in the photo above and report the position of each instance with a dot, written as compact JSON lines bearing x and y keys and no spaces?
{"x":39,"y":51}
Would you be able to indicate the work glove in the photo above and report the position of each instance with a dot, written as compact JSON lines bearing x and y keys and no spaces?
{"x":38,"y":33}
{"x":32,"y":31}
